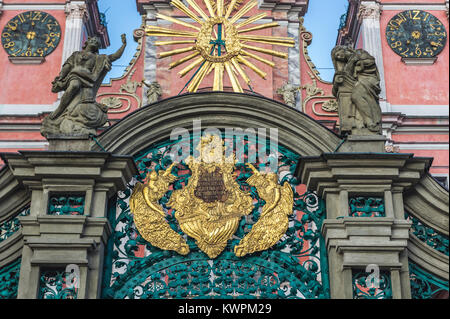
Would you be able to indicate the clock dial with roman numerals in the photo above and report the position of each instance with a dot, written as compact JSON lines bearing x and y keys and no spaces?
{"x":31,"y":34}
{"x":416,"y":34}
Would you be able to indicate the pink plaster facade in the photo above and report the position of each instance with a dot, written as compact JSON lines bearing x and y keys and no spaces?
{"x":417,"y":128}
{"x":32,"y":81}
{"x":21,"y":114}
{"x":426,"y":84}
{"x":415,"y":114}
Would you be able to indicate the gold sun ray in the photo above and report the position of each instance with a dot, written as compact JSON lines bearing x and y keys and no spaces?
{"x":218,"y":77}
{"x":198,"y":9}
{"x":240,"y":71}
{"x":180,"y":5}
{"x":234,"y":81}
{"x":167,"y":18}
{"x":176,"y":51}
{"x":266,"y":51}
{"x":210,"y":8}
{"x":230,"y":8}
{"x":247,"y":7}
{"x":174,"y":42}
{"x":257,"y":70}
{"x":219,"y":45}
{"x":163,"y":32}
{"x":251,"y":20}
{"x":260,"y":27}
{"x":188,"y":68}
{"x":220,"y":8}
{"x":182,"y":60}
{"x":197,"y":79}
{"x":257,"y":57}
{"x":268,"y":39}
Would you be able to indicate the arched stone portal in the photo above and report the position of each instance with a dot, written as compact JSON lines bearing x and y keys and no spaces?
{"x":374,"y":212}
{"x":294,"y":268}
{"x":154,"y":123}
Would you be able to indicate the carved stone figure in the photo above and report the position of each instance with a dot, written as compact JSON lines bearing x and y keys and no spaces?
{"x":288,"y":91}
{"x":154,"y":91}
{"x":81,"y":76}
{"x":356,"y":85}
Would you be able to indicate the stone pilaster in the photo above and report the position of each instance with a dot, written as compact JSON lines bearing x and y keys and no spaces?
{"x":353,"y":242}
{"x":369,"y":14}
{"x":150,"y":55}
{"x":56,"y":240}
{"x":76,"y":12}
{"x":446,"y":8}
{"x":293,"y":29}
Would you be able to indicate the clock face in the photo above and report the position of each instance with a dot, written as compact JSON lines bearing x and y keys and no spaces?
{"x":31,"y":34}
{"x":416,"y":34}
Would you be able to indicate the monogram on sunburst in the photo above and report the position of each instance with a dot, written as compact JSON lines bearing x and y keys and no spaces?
{"x":221,"y":42}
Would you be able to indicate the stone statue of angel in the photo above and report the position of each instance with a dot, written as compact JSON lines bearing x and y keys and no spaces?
{"x":356,"y":85}
{"x":81,"y":75}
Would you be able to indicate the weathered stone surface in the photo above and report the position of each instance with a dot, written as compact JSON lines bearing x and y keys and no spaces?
{"x":356,"y":85}
{"x":69,"y":143}
{"x":220,"y":110}
{"x":356,"y":242}
{"x":58,"y":240}
{"x":363,"y":144}
{"x":80,"y":78}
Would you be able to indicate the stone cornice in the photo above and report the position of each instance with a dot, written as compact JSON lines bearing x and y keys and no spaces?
{"x":32,"y":167}
{"x":332,"y":172}
{"x":13,"y":196}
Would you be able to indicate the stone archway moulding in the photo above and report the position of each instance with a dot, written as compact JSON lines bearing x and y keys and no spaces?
{"x":155,"y":122}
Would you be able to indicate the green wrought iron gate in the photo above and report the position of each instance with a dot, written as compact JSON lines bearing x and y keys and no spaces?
{"x":296,"y":267}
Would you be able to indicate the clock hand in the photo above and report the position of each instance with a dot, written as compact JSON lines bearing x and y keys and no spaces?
{"x":29,"y":34}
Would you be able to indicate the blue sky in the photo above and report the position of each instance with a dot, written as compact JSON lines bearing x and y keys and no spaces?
{"x":322,"y":19}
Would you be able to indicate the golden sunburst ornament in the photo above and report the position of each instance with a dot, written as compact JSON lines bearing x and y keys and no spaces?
{"x":219,"y":43}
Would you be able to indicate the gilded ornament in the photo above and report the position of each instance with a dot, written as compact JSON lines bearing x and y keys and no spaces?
{"x":149,"y":216}
{"x":210,"y":207}
{"x":273,"y":222}
{"x":219,"y":42}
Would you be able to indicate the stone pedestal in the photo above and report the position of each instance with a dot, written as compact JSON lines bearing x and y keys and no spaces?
{"x":363,"y":144}
{"x":378,"y":238}
{"x":67,"y":226}
{"x":69,"y":143}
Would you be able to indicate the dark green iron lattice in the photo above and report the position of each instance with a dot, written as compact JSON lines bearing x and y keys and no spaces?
{"x":428,"y":235}
{"x":366,"y":207}
{"x":9,"y":280}
{"x":296,"y":267}
{"x":54,"y":284}
{"x":423,"y":284}
{"x":63,"y":204}
{"x":366,"y":288}
{"x":12,"y":225}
